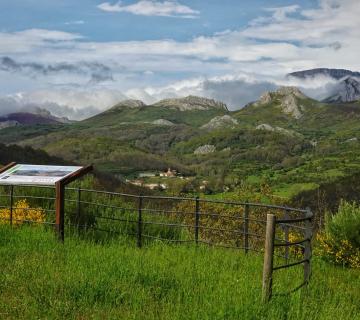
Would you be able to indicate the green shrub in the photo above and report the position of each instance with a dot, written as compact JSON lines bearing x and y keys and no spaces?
{"x":340,"y":240}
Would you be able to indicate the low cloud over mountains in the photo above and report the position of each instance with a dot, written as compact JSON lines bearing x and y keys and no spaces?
{"x":235,"y":91}
{"x":96,"y":72}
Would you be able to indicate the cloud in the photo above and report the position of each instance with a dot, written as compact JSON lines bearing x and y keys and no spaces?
{"x":96,"y":71}
{"x":72,"y":103}
{"x":235,"y":90}
{"x":26,"y":41}
{"x":281,"y":13}
{"x":75,"y":22}
{"x":285,"y":39}
{"x":47,"y":35}
{"x":152,"y":8}
{"x":320,"y":26}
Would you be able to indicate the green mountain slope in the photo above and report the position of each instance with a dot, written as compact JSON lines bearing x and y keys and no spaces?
{"x":285,"y":139}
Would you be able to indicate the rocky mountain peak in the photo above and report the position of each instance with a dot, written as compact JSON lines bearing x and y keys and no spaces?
{"x":288,"y":90}
{"x":347,"y":90}
{"x":191,"y":103}
{"x":129,"y":103}
{"x":288,"y":99}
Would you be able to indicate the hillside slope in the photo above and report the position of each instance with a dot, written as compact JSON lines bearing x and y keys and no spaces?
{"x":286,"y":140}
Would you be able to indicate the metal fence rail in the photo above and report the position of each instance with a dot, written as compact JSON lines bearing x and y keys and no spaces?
{"x":243,"y":226}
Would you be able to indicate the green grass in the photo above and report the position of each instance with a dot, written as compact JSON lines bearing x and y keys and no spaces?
{"x":42,"y":279}
{"x":290,"y":190}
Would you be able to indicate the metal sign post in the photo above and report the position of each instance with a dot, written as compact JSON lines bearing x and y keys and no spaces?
{"x":60,"y":198}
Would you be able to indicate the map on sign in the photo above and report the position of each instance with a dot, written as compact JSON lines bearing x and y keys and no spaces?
{"x":35,"y":174}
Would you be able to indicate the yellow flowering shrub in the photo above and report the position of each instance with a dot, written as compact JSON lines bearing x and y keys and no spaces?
{"x":339,"y":242}
{"x":339,"y":252}
{"x":22,"y":213}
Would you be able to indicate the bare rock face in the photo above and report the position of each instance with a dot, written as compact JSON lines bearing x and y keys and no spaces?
{"x":287,"y":98}
{"x":218,"y":122}
{"x":130,"y":103}
{"x":205,"y":149}
{"x":191,"y":103}
{"x":163,"y":122}
{"x":347,"y":90}
{"x":286,"y":91}
{"x":265,"y":98}
{"x":289,"y":106}
{"x":265,"y":126}
{"x":268,"y":127}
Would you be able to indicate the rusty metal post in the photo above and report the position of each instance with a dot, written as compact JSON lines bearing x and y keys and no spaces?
{"x":139,"y":231}
{"x":268,"y":258}
{"x":308,"y":249}
{"x":246,"y":228}
{"x":78,"y":209}
{"x":286,"y":234}
{"x":60,"y":210}
{"x":197,"y":219}
{"x":11,"y":204}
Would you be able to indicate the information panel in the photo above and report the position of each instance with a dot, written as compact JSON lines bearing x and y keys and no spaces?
{"x":23,"y":174}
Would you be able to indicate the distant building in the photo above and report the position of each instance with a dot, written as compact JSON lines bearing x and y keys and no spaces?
{"x":169,"y":174}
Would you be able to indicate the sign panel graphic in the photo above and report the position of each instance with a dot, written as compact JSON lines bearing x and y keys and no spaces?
{"x":24,"y":174}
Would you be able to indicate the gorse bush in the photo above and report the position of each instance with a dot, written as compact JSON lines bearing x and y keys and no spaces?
{"x":22,"y":213}
{"x":340,"y":240}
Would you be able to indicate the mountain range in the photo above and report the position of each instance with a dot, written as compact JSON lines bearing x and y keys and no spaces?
{"x":345,"y":89}
{"x":284,"y":139}
{"x":39,"y":116}
{"x":326,"y":72}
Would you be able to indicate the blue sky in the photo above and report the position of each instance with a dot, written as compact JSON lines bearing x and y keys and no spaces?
{"x":80,"y":57}
{"x":84,"y":17}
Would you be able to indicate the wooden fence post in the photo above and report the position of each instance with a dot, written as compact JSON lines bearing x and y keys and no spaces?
{"x":60,"y":209}
{"x":286,"y":234}
{"x":246,"y":228}
{"x":268,"y":258}
{"x":11,"y":204}
{"x":139,"y":231}
{"x":307,"y":250}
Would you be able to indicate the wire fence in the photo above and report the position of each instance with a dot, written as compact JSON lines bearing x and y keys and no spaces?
{"x":285,"y":241}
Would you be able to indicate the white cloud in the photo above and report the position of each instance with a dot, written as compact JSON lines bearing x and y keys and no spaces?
{"x":152,"y":8}
{"x":333,"y":20}
{"x":294,"y":39}
{"x":29,"y":40}
{"x":47,"y":35}
{"x":76,"y":22}
{"x":72,"y":103}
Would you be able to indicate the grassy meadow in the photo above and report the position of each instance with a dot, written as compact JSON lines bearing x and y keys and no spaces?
{"x":43,"y":279}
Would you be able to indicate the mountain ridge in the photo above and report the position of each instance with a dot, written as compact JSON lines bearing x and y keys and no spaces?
{"x":348,"y":90}
{"x":330,"y":72}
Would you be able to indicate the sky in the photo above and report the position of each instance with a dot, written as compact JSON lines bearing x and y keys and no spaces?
{"x":77,"y":58}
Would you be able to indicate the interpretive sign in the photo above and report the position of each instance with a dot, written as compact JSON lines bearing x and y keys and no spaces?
{"x":32,"y":175}
{"x":23,"y":174}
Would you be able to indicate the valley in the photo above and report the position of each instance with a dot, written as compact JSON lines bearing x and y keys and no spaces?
{"x":285,"y":140}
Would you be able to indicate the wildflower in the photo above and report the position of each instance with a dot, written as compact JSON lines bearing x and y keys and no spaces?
{"x":22,"y":213}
